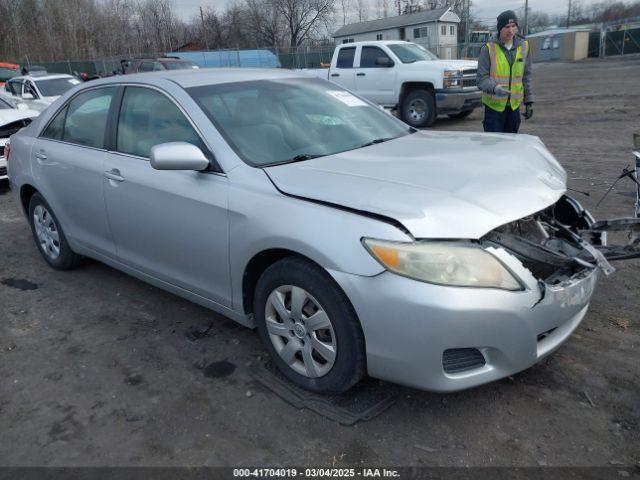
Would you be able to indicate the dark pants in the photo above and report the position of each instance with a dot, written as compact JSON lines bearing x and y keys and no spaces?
{"x":501,"y":122}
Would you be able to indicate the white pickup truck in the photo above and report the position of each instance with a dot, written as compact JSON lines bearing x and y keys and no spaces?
{"x":406,"y":76}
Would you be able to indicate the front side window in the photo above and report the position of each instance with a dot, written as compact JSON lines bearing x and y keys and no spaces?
{"x":270,"y":122}
{"x":146,"y":67}
{"x":29,"y":88}
{"x":369,"y":56}
{"x":345,"y":57}
{"x":86,"y":118}
{"x":148,"y":118}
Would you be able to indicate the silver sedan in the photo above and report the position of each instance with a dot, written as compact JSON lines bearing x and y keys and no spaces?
{"x":353,"y":243}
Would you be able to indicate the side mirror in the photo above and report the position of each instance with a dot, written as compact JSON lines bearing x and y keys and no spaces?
{"x":177,"y":156}
{"x":27,"y":96}
{"x":384,"y":62}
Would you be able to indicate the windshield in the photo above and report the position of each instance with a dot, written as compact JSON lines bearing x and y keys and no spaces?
{"x":269,"y":122}
{"x":56,"y":86}
{"x":410,"y":52}
{"x":179,"y":65}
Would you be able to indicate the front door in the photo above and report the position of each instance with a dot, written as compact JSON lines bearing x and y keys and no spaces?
{"x":172,"y":225}
{"x":373,"y":81}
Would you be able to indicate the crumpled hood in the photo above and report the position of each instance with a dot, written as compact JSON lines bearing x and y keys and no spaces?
{"x":437,"y":184}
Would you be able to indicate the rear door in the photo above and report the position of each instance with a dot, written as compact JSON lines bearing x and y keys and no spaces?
{"x":343,"y":72}
{"x":68,"y":159}
{"x":171,"y":225}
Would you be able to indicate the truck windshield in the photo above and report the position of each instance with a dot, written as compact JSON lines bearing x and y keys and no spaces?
{"x":269,"y":122}
{"x":56,"y":86}
{"x":180,"y":65}
{"x":410,"y":52}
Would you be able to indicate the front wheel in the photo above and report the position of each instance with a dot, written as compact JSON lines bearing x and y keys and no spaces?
{"x":309,"y":326}
{"x":419,"y":109}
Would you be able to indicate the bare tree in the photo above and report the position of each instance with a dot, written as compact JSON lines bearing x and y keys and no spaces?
{"x":362,"y":10}
{"x":302,"y":17}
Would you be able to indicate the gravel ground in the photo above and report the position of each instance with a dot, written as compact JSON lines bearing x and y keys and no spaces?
{"x":97,"y":368}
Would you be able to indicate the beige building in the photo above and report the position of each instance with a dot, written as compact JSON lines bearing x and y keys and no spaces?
{"x":436,"y":30}
{"x":559,"y":44}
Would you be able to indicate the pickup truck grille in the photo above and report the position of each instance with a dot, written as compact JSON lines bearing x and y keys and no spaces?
{"x":469,"y":77}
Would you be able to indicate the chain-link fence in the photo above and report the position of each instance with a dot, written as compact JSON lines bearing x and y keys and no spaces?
{"x":308,"y":56}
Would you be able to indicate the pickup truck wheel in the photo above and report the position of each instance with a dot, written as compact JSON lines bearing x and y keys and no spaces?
{"x":459,"y":115}
{"x":419,"y":109}
{"x":309,"y":327}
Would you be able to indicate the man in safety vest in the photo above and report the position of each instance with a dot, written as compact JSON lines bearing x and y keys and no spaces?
{"x":504,"y":76}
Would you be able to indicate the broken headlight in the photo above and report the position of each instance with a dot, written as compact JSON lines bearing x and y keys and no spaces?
{"x":460,"y":264}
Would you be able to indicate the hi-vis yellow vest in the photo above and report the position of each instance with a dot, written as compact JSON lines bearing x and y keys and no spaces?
{"x":505,"y":74}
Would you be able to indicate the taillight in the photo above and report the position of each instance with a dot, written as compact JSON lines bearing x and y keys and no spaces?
{"x":7,"y":151}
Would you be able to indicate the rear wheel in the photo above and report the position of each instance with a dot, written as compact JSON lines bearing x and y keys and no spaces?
{"x":309,"y":326}
{"x":419,"y":109}
{"x":49,"y":237}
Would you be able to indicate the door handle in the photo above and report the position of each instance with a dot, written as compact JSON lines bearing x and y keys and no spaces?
{"x":40,"y":156}
{"x":360,"y":74}
{"x":114,"y":175}
{"x":335,"y":74}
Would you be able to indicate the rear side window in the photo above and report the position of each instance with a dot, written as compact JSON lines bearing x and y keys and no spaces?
{"x":86,"y":119}
{"x":55,"y":128}
{"x":148,"y":118}
{"x":345,"y":57}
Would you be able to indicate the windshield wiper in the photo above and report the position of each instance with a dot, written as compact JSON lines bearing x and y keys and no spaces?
{"x":301,"y":157}
{"x":377,"y":140}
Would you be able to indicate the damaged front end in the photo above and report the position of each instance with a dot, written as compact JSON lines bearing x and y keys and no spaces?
{"x":564,"y":241}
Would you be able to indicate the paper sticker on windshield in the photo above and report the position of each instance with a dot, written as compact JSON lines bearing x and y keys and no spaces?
{"x":346,"y":98}
{"x":73,"y":81}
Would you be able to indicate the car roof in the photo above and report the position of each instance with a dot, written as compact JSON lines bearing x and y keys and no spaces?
{"x":42,"y":77}
{"x":203,"y":76}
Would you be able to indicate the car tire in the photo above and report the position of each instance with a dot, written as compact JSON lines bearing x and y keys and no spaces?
{"x":461,"y":115}
{"x":318,"y":346}
{"x":49,"y":237}
{"x":419,"y":109}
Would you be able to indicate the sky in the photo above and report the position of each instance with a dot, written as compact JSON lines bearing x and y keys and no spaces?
{"x":486,"y":10}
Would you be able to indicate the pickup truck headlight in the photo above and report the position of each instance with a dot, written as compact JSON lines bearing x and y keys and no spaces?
{"x":460,"y":264}
{"x":452,"y":78}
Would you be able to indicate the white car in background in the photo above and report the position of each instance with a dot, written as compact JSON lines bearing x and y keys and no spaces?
{"x":12,"y":119}
{"x":40,"y":90}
